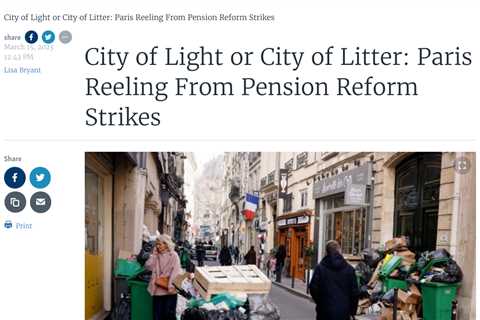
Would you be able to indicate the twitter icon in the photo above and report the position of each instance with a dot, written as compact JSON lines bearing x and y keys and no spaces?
{"x":40,"y":177}
{"x":48,"y":37}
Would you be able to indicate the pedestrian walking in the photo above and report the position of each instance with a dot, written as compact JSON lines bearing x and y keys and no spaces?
{"x":251,"y":256}
{"x":236,"y":254}
{"x":334,"y":286}
{"x":225,"y":258}
{"x":280,"y":256}
{"x":165,"y":266}
{"x":200,"y":252}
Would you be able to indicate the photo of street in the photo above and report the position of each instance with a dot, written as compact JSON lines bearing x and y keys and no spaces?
{"x":280,"y":235}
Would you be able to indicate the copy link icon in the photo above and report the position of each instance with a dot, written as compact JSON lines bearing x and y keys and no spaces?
{"x":15,"y":202}
{"x":40,"y":202}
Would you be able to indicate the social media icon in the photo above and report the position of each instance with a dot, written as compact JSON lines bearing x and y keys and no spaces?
{"x":15,"y":202}
{"x":40,"y":177}
{"x":40,"y":202}
{"x":65,"y":36}
{"x":14,"y":177}
{"x":48,"y":37}
{"x":31,"y":36}
{"x":8,"y":224}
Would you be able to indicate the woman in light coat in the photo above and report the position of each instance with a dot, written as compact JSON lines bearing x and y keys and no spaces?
{"x":163,"y":262}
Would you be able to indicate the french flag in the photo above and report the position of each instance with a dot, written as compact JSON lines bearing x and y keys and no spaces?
{"x":251,"y":205}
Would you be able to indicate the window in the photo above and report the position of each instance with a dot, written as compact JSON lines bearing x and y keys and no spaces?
{"x":347,"y":226}
{"x":289,"y":165}
{"x":287,"y":203}
{"x":302,"y":159}
{"x":303,"y":198}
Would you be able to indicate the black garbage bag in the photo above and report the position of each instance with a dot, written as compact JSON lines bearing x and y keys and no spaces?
{"x":363,"y":272}
{"x":452,"y":273}
{"x":372,"y":257}
{"x":194,"y":314}
{"x":363,"y":292}
{"x":438,"y":254}
{"x":144,"y":254}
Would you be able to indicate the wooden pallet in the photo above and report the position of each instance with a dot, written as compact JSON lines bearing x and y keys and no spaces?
{"x":232,"y":279}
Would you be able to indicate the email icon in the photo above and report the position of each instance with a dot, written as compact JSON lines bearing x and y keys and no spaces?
{"x":40,"y":202}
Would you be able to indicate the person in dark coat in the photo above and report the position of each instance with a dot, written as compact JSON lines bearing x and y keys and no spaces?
{"x":334,"y":286}
{"x":280,"y":256}
{"x":251,"y":256}
{"x":225,"y":257}
{"x":200,"y":253}
{"x":236,"y":254}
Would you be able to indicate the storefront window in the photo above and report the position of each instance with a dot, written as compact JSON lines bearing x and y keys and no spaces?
{"x":93,"y":213}
{"x":348,"y":227}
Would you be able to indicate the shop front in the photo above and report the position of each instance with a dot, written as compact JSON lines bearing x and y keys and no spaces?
{"x":343,"y":206}
{"x":295,"y":233}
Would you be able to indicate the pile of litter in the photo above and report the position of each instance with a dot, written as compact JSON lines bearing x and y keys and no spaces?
{"x":393,"y":275}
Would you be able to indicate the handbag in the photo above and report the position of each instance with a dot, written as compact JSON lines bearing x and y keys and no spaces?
{"x":162,"y":282}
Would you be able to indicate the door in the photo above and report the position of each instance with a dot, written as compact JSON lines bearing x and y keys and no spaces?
{"x":301,"y":243}
{"x":417,"y":189}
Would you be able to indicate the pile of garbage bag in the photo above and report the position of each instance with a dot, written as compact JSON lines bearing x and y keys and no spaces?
{"x":395,"y":267}
{"x":226,"y":306}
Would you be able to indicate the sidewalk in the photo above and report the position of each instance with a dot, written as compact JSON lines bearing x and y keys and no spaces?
{"x":299,"y":286}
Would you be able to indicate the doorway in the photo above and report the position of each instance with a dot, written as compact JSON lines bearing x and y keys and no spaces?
{"x":417,"y":190}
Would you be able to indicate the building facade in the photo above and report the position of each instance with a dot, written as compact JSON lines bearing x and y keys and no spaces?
{"x":364,"y":199}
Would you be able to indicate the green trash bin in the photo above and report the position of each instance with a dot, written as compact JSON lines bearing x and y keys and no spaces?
{"x":437,"y":300}
{"x":142,"y":302}
{"x":391,"y":283}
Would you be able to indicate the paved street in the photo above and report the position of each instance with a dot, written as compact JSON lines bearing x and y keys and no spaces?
{"x":292,"y":307}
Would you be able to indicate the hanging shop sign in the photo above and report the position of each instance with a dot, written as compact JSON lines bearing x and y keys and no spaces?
{"x":283,"y":183}
{"x":355,"y":195}
{"x":337,"y":184}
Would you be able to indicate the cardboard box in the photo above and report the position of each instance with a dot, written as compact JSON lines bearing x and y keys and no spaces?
{"x":395,"y":243}
{"x":408,"y":257}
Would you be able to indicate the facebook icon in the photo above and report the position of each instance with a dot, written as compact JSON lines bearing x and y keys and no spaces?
{"x":14,"y":177}
{"x":31,"y":36}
